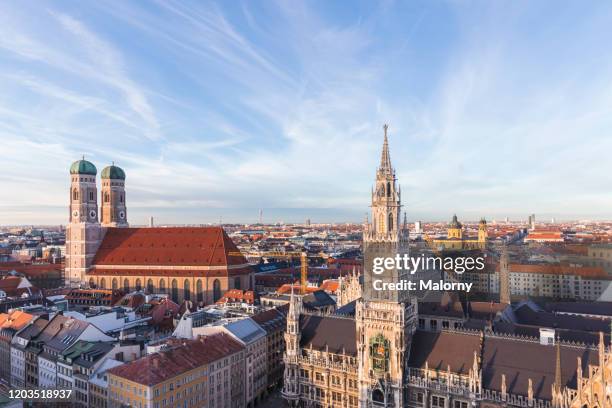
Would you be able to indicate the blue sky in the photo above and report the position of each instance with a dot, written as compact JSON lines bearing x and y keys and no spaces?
{"x":215,"y":110}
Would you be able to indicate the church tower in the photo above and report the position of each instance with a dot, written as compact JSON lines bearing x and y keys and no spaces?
{"x":482,"y":234}
{"x":114,"y":212}
{"x":385,"y":319}
{"x":291,"y":383}
{"x":83,"y":233}
{"x":504,"y":277}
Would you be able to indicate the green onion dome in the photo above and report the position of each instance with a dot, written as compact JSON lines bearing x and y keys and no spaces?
{"x":113,"y":172}
{"x":83,"y":167}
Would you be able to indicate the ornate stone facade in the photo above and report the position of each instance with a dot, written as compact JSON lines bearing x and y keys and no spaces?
{"x":380,"y":359}
{"x":349,"y":288}
{"x":385,"y":319}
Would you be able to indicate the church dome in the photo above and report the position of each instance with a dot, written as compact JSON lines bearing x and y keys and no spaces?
{"x":454,"y":222}
{"x":83,"y":167}
{"x":113,"y":172}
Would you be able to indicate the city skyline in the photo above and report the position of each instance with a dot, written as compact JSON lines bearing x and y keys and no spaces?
{"x":282,"y":108}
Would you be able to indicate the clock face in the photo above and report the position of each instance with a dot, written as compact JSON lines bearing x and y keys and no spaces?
{"x":75,"y":213}
{"x":121,"y":214}
{"x":92,"y":214}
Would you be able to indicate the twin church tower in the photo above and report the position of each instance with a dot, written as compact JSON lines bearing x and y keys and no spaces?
{"x":88,"y":220}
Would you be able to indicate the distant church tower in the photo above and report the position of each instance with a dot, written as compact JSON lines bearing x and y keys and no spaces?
{"x":504,"y":277}
{"x":114,"y":212}
{"x":482,"y":233}
{"x":83,"y":233}
{"x":385,"y":320}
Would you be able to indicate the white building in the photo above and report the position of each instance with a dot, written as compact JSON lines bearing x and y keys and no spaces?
{"x":61,"y":333}
{"x":249,"y":334}
{"x":110,"y":321}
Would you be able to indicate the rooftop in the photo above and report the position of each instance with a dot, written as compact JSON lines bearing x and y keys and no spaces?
{"x":181,"y":357}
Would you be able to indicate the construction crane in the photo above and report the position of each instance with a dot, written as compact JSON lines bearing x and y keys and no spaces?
{"x":289,"y":255}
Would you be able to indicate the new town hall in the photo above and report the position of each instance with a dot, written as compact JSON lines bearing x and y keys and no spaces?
{"x":375,"y":356}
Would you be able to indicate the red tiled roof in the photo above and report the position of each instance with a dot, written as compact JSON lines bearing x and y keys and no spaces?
{"x":238,"y":295}
{"x":9,"y":285}
{"x":184,"y":246}
{"x":15,"y":319}
{"x":329,"y":285}
{"x":584,"y":271}
{"x":30,"y":270}
{"x":208,"y":248}
{"x":106,"y":295}
{"x":183,"y":356}
{"x":286,"y":288}
{"x":545,"y":235}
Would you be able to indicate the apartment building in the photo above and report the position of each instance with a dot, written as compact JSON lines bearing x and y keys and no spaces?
{"x":254,"y":339}
{"x":78,"y":363}
{"x":98,"y":384}
{"x":274,"y":322}
{"x":10,"y":324}
{"x":19,"y":344}
{"x":208,"y":371}
{"x":554,"y":281}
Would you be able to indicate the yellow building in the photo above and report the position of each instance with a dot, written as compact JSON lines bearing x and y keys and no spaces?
{"x":456,"y":240}
{"x":183,"y":374}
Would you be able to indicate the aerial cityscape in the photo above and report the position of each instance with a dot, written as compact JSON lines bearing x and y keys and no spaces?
{"x":227,"y":205}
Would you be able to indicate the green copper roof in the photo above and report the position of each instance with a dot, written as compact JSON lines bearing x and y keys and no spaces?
{"x":83,"y":167}
{"x":113,"y":172}
{"x":455,"y":222}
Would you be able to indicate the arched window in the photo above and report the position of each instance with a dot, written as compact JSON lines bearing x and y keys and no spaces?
{"x":388,"y":189}
{"x":103,"y":283}
{"x":92,"y":283}
{"x":174,"y":293}
{"x":162,"y":286}
{"x":126,"y":285}
{"x":91,"y":196}
{"x":106,"y":197}
{"x":390,"y":222}
{"x":75,"y":194}
{"x":150,"y":288}
{"x":115,"y":284}
{"x":121,"y":198}
{"x":138,"y":284}
{"x":186,"y":291}
{"x":216,"y":290}
{"x":237,"y":282}
{"x":199,"y":293}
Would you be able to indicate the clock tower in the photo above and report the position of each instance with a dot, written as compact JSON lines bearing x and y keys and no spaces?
{"x":83,"y":234}
{"x":114,"y":211}
{"x":385,"y":319}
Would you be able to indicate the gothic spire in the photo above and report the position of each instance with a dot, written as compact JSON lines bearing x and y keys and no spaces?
{"x":385,"y":158}
{"x":293,"y":307}
{"x":558,"y":366}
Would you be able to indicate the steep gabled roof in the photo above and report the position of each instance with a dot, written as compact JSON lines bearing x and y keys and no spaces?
{"x":182,"y":356}
{"x":182,"y":246}
{"x":336,"y":334}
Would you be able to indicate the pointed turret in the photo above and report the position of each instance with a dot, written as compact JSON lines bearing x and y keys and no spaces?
{"x":294,"y":312}
{"x":385,"y":158}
